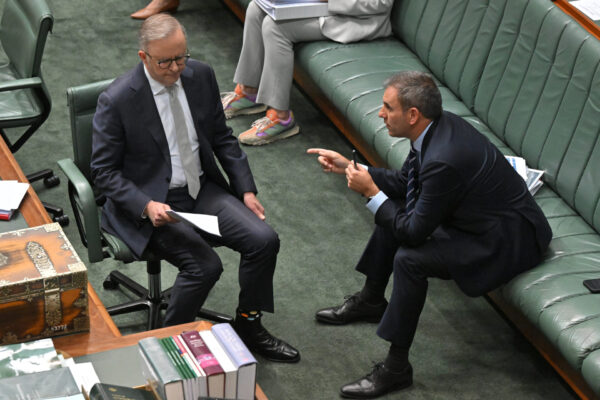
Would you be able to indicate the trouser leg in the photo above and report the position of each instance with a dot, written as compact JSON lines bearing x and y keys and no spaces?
{"x":199,"y":269}
{"x":412,"y":268}
{"x":278,"y":68}
{"x":250,"y":63}
{"x":255,"y":240}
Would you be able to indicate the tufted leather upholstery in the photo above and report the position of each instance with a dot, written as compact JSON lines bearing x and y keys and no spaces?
{"x":528,"y":77}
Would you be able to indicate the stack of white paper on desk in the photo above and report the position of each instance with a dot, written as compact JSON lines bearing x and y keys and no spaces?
{"x":532,"y":177}
{"x":11,"y":195}
{"x":293,"y":9}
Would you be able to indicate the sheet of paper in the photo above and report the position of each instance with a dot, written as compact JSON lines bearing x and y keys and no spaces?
{"x":591,"y":8}
{"x":207,"y":223}
{"x":84,"y":374}
{"x":518,"y":163}
{"x":11,"y":194}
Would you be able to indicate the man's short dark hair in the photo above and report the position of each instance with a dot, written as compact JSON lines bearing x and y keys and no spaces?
{"x":417,"y":89}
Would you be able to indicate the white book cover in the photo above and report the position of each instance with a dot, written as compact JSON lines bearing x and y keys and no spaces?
{"x":293,"y":10}
{"x":225,"y":362}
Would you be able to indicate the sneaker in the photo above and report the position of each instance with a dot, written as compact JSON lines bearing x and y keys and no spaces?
{"x":237,"y":103}
{"x":269,"y":129}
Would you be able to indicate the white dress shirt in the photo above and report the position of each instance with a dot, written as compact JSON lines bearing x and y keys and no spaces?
{"x":161,"y":98}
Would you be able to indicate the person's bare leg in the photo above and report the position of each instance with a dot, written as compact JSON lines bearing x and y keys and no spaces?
{"x":155,"y":7}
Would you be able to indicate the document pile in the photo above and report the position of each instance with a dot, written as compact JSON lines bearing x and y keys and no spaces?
{"x":34,"y":370}
{"x":532,"y":177}
{"x":293,"y":9}
{"x":11,"y":195}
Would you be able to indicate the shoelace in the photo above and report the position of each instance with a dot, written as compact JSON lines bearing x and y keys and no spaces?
{"x":261,"y":123}
{"x":227,"y":98}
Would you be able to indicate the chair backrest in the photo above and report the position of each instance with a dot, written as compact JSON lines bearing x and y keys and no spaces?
{"x":23,"y":31}
{"x":82,"y":102}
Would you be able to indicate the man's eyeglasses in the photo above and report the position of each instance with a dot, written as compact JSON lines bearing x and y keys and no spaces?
{"x":166,"y":63}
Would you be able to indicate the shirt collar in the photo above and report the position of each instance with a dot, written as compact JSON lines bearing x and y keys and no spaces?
{"x":418,"y":144}
{"x":157,"y":87}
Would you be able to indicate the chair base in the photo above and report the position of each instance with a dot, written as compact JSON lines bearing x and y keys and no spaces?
{"x":50,"y":180}
{"x":154,"y":300}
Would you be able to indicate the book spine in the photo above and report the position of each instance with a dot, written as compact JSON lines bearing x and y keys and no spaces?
{"x":158,"y":360}
{"x":175,"y":357}
{"x":233,"y":345}
{"x":201,"y":352}
{"x":187,"y":356}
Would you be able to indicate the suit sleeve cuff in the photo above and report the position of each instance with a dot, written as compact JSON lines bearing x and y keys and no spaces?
{"x":376,"y":202}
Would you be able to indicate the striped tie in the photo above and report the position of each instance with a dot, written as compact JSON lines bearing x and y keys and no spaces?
{"x":412,"y":187}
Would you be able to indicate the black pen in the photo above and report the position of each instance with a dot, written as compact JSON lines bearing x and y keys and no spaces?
{"x":354,"y":158}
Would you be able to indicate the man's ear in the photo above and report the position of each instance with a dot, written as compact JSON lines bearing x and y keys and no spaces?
{"x":142,"y":55}
{"x":414,"y":115}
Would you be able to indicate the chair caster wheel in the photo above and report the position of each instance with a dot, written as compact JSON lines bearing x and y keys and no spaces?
{"x":63,"y":220}
{"x":51,"y":181}
{"x":109,"y":284}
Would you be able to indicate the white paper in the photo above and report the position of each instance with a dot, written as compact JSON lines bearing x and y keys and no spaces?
{"x":207,"y":223}
{"x":518,"y":163}
{"x":11,"y":194}
{"x":84,"y":374}
{"x":591,"y":8}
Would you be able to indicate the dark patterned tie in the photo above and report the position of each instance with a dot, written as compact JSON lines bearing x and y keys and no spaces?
{"x":412,"y":187}
{"x":192,"y":175}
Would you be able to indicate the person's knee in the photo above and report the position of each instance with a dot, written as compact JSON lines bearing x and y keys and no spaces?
{"x":265,"y":240}
{"x":406,"y":264}
{"x":253,"y":12}
{"x":271,"y":31}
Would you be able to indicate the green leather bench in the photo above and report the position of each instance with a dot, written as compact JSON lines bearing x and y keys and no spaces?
{"x":528,"y":77}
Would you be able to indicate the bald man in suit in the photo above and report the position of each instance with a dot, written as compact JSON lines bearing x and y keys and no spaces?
{"x":159,"y":130}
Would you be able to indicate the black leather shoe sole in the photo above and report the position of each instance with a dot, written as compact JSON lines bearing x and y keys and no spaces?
{"x":394,"y":388}
{"x":280,"y":360}
{"x":336,"y":321}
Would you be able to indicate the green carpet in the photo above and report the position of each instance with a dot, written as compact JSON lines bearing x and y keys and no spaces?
{"x":463,"y":348}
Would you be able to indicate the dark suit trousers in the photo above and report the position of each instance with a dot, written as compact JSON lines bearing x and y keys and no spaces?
{"x":199,"y":265}
{"x":411,"y":267}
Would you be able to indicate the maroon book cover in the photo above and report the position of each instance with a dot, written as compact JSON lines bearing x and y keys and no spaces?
{"x":207,"y":361}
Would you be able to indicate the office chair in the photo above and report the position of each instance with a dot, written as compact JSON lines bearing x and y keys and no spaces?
{"x":86,"y":210}
{"x":24,"y":99}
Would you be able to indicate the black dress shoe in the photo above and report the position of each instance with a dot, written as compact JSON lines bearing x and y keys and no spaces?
{"x":353,"y":309}
{"x":377,"y":383}
{"x":260,"y":341}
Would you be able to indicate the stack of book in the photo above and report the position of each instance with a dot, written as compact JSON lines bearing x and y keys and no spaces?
{"x":213,"y":363}
{"x":293,"y":9}
{"x":11,"y":195}
{"x":532,"y":177}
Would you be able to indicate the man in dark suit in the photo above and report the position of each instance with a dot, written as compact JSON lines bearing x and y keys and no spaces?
{"x":157,"y":130}
{"x":457,"y":210}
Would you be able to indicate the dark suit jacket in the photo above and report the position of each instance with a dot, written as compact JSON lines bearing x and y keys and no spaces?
{"x":473,"y":201}
{"x":131,"y":164}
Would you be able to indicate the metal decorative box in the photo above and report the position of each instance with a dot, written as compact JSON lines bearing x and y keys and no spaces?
{"x":43,"y":285}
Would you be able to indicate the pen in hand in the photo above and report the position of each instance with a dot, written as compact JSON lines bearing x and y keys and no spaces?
{"x":354,"y":158}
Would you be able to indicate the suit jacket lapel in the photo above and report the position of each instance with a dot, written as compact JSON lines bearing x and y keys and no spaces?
{"x":197,"y":109}
{"x":145,"y":107}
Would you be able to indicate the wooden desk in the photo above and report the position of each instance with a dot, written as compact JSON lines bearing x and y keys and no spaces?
{"x":104,"y":334}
